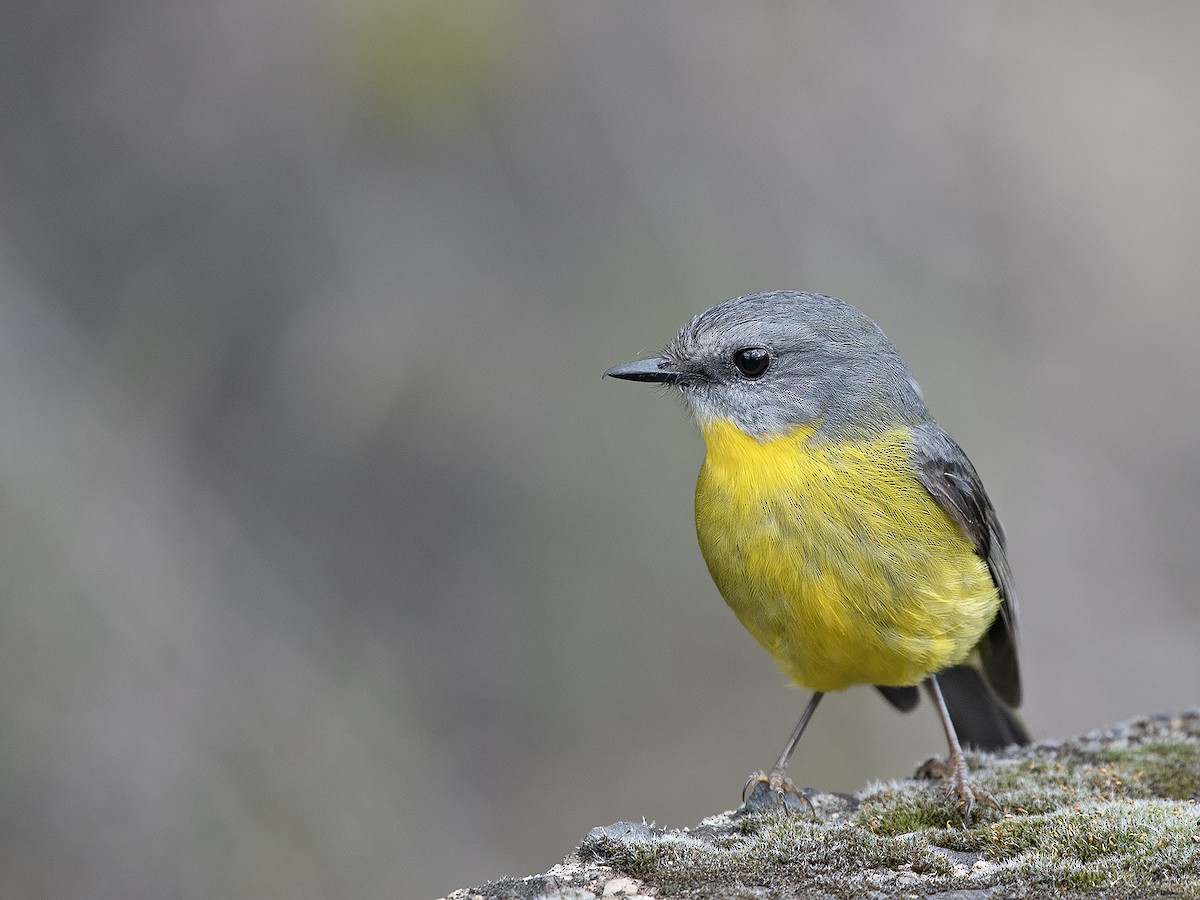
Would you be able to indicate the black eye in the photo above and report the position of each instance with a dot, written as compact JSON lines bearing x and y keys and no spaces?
{"x":752,"y":361}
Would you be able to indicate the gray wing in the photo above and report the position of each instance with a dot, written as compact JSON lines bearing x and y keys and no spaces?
{"x":944,"y":469}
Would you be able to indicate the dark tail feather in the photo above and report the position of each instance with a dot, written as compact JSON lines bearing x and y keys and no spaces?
{"x":904,"y":699}
{"x":981,"y":719}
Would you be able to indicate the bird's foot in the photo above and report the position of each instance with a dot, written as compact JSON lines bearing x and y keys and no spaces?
{"x":956,"y":779}
{"x":775,"y":789}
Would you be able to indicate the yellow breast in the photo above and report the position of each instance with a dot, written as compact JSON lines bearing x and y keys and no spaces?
{"x":837,"y":559}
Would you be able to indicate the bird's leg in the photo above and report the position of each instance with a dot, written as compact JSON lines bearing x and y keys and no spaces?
{"x":955,"y":774}
{"x":776,"y":780}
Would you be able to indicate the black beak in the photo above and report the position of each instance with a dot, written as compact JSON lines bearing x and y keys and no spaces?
{"x":657,"y":368}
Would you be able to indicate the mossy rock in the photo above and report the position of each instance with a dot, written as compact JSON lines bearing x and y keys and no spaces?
{"x":1112,"y":814}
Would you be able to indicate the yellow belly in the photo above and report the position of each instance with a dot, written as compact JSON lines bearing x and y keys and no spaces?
{"x":837,"y":559}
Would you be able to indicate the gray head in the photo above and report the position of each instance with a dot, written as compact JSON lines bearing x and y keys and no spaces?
{"x":771,"y":362}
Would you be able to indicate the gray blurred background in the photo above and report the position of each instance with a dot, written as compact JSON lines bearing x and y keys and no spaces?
{"x":330,"y":565}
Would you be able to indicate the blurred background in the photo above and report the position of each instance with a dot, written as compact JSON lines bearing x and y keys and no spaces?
{"x":329,"y":564}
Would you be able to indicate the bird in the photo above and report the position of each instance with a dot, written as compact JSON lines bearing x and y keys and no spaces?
{"x":845,"y":528}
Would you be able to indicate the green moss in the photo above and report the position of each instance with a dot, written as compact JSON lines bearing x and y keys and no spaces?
{"x":1166,"y":769}
{"x":1116,"y":816}
{"x":1122,"y":844}
{"x":1113,"y":815}
{"x":904,"y":809}
{"x":766,"y":851}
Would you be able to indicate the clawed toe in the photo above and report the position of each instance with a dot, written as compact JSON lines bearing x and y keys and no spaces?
{"x":773,"y":789}
{"x":966,"y":795}
{"x":962,"y":792}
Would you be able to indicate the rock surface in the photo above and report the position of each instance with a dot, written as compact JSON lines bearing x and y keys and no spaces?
{"x":1113,"y":813}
